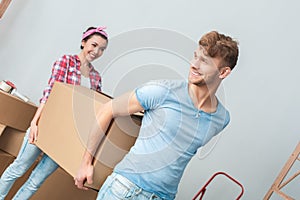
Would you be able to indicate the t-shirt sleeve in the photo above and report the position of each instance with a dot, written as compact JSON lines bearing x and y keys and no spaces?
{"x":151,"y":95}
{"x":227,"y":119}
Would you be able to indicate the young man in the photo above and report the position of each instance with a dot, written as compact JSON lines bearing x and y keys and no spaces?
{"x":179,"y":117}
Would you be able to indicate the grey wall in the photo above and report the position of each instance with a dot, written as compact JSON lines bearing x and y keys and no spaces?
{"x":261,"y":93}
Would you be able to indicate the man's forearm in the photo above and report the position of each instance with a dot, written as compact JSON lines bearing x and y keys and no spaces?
{"x":121,"y":106}
{"x":99,"y":128}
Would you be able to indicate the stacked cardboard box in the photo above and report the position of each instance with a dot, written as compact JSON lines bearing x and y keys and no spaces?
{"x":64,"y":126}
{"x":15,"y":112}
{"x":15,"y":118}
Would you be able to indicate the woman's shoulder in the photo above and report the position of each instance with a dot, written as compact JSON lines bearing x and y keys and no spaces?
{"x":69,"y":57}
{"x":94,"y":70}
{"x":64,"y":59}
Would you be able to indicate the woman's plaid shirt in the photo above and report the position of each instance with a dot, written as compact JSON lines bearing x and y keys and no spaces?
{"x":67,"y":69}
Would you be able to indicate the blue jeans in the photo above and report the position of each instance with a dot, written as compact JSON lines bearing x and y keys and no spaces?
{"x":26,"y":157}
{"x":117,"y":187}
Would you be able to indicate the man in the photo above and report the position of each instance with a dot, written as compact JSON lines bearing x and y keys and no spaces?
{"x":179,"y":117}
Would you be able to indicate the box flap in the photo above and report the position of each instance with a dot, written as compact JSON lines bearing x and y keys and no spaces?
{"x":2,"y":127}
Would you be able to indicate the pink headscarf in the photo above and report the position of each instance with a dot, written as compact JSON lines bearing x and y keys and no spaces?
{"x":100,"y":30}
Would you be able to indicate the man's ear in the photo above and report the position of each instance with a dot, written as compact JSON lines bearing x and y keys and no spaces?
{"x":224,"y":72}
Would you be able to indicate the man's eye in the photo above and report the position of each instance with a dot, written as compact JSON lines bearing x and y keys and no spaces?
{"x":203,"y":60}
{"x":195,"y":56}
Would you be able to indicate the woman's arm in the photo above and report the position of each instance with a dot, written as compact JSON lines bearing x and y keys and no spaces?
{"x":58,"y":73}
{"x":33,"y":125}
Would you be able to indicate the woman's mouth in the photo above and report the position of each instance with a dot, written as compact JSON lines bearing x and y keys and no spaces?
{"x":92,"y":56}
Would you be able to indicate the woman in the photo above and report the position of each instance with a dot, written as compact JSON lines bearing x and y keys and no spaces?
{"x":71,"y":69}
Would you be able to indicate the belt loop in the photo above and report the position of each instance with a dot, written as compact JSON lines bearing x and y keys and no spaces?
{"x":138,"y":191}
{"x":130,"y":193}
{"x":153,"y":196}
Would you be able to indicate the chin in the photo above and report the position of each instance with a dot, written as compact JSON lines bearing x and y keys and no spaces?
{"x":193,"y":79}
{"x":198,"y":82}
{"x":90,"y":59}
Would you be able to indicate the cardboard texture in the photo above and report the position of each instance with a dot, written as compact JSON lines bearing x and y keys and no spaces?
{"x":64,"y":126}
{"x":60,"y":186}
{"x":15,"y":112}
{"x":11,"y":141}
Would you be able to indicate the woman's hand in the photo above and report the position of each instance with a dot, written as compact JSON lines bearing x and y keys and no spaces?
{"x":33,"y":125}
{"x":33,"y":133}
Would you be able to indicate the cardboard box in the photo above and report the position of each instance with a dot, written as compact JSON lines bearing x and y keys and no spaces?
{"x":60,"y":186}
{"x":11,"y":141}
{"x":65,"y":124}
{"x":5,"y":160}
{"x":14,"y":112}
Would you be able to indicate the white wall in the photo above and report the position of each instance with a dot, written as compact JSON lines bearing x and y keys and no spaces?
{"x":261,"y":93}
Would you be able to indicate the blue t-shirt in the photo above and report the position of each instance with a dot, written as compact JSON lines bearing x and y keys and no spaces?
{"x":171,"y":132}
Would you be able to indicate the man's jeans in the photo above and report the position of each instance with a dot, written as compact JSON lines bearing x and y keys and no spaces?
{"x":27,"y":155}
{"x":117,"y":187}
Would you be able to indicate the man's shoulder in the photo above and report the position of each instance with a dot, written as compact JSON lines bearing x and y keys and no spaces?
{"x":168,"y":83}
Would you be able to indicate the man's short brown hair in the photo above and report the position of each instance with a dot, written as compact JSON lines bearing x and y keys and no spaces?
{"x":218,"y":45}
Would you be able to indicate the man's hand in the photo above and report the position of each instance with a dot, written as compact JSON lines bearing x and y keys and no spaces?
{"x":85,"y":173}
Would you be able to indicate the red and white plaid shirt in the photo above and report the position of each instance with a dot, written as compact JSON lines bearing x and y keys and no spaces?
{"x":67,"y":70}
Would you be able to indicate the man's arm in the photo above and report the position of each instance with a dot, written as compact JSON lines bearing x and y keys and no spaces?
{"x":124,"y":105}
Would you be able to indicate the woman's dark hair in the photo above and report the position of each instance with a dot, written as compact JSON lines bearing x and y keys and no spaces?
{"x":89,"y":36}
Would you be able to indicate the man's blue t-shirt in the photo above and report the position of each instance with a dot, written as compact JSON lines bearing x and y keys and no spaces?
{"x":172,"y":130}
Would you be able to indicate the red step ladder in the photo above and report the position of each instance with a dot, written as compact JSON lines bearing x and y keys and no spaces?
{"x":203,"y":189}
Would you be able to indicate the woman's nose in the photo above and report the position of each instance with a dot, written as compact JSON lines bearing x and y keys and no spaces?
{"x":99,"y":52}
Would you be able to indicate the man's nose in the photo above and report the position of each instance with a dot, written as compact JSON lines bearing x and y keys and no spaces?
{"x":195,"y":63}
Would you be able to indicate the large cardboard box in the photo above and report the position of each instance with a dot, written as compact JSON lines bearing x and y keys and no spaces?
{"x":15,"y":112}
{"x":64,"y":126}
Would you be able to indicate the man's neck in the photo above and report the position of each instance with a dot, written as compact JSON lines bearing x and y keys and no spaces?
{"x":203,"y":97}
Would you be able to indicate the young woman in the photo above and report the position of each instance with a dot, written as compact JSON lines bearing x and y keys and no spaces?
{"x":71,"y":69}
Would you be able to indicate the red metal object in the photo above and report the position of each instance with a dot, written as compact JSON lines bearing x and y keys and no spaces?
{"x":203,"y":189}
